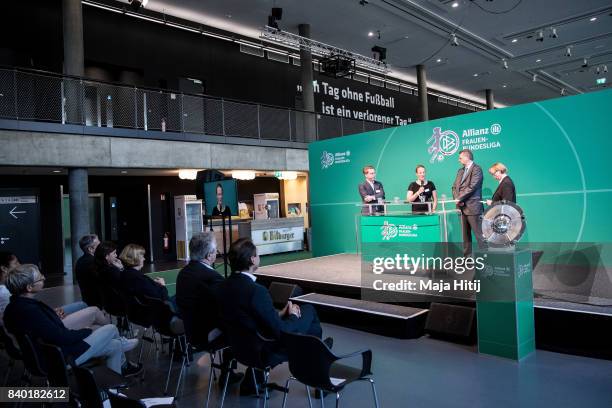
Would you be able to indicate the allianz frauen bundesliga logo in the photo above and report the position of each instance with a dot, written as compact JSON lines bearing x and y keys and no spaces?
{"x":328,"y":159}
{"x":388,"y":231}
{"x":446,"y":143}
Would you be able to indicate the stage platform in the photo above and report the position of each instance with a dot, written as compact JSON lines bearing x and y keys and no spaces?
{"x":561,"y":325}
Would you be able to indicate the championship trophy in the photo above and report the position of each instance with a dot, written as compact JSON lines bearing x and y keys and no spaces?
{"x":504,"y":304}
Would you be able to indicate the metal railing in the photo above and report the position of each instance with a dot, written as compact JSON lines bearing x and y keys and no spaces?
{"x":47,"y":97}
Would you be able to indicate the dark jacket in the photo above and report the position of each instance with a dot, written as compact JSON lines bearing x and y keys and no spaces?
{"x":505,"y":191}
{"x":469,"y":192}
{"x":134,"y":282}
{"x":365,"y":189}
{"x":109,"y":275}
{"x":29,"y":316}
{"x":85,"y":273}
{"x":195,"y":286}
{"x":248,"y":304}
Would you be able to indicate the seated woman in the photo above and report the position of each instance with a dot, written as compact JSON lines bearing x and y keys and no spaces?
{"x":108,"y":266}
{"x":422,"y":191}
{"x":133,"y":281}
{"x":74,"y":315}
{"x":26,"y":315}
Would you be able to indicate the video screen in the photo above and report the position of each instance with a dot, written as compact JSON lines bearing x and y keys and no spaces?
{"x":221,"y":198}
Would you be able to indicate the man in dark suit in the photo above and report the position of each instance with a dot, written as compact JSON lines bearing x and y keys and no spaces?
{"x":467,"y":190}
{"x":371,"y":191}
{"x":195,"y":296}
{"x":85,"y":271}
{"x":505,"y":190}
{"x":248,"y":305}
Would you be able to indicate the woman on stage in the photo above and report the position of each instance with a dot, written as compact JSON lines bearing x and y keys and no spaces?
{"x":422,"y":191}
{"x":505,"y":190}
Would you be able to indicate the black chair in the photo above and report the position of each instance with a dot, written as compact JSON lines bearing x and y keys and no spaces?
{"x":139,"y":313}
{"x":34,"y":366}
{"x":13,"y":352}
{"x":116,"y":305}
{"x":169,"y":325}
{"x":313,"y":364}
{"x":255,"y":351}
{"x":90,"y":395}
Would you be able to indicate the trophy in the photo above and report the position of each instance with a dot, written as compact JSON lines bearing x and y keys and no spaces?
{"x":503,"y":225}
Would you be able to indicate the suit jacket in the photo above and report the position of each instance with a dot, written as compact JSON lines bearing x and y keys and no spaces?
{"x":32,"y":317}
{"x":469,"y":191}
{"x":195,"y":298}
{"x":134,"y":282}
{"x":109,"y":275}
{"x":85,"y":273}
{"x":365,"y":189}
{"x":248,"y":304}
{"x":505,"y":191}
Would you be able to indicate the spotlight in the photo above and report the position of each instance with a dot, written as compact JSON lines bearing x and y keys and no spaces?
{"x":272,"y":22}
{"x":274,"y":17}
{"x":515,"y":40}
{"x":454,"y":41}
{"x":593,"y":19}
{"x":553,"y":33}
{"x":370,"y":34}
{"x":562,"y":91}
{"x":605,"y":69}
{"x":136,"y":4}
{"x":455,"y":4}
{"x":585,"y":63}
{"x":504,"y":63}
{"x":535,"y":77}
{"x":540,"y":36}
{"x":568,"y":52}
{"x":439,"y":60}
{"x":380,"y":53}
{"x":597,"y":70}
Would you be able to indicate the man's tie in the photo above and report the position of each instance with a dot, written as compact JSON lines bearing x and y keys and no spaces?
{"x":465,"y":171}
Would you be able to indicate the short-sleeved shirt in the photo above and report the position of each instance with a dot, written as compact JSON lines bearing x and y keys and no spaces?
{"x":425,"y":196}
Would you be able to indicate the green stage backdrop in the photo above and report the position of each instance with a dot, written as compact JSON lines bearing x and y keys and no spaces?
{"x":557,"y":153}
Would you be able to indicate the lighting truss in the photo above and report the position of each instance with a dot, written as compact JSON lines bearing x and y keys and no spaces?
{"x":321,"y":49}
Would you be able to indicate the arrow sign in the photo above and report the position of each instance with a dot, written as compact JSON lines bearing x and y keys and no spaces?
{"x":13,"y":212}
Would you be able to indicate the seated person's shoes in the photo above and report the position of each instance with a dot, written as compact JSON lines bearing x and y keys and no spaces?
{"x":130,"y":369}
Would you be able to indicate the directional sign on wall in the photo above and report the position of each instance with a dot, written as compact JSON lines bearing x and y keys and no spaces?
{"x":20,"y":224}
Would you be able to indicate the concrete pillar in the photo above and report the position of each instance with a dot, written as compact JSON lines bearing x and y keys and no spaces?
{"x":306,"y":78}
{"x":72,"y":11}
{"x":422,"y":84}
{"x":79,"y":208}
{"x":490,"y":99}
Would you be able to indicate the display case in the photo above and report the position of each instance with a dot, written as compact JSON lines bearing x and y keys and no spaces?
{"x":188,"y":220}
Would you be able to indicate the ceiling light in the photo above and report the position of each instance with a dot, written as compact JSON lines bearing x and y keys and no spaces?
{"x":439,"y":60}
{"x":568,"y":52}
{"x":504,"y":63}
{"x":371,"y":34}
{"x":285,"y":175}
{"x":515,"y":40}
{"x":593,"y":19}
{"x":538,"y":60}
{"x":535,"y":77}
{"x":57,"y":171}
{"x":188,"y":174}
{"x":454,"y":41}
{"x":475,"y":75}
{"x":562,"y":91}
{"x":243,"y":174}
{"x":455,"y":4}
{"x":585,"y":63}
{"x":504,"y":86}
{"x":540,"y":36}
{"x":605,"y":69}
{"x":553,"y":32}
{"x":123,"y":171}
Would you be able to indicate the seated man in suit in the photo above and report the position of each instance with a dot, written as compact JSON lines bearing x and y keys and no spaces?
{"x":85,"y":271}
{"x":26,"y":315}
{"x":248,"y":305}
{"x":371,"y":191}
{"x":195,"y":299}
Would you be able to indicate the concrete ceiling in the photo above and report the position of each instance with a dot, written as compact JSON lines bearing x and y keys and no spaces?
{"x":105,"y":172}
{"x":418,"y":32}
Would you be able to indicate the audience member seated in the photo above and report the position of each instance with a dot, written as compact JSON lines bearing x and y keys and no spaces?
{"x":195,"y":286}
{"x":74,"y":315}
{"x":26,"y":315}
{"x":133,"y":281}
{"x":108,"y":266}
{"x":245,"y":303}
{"x":85,"y":271}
